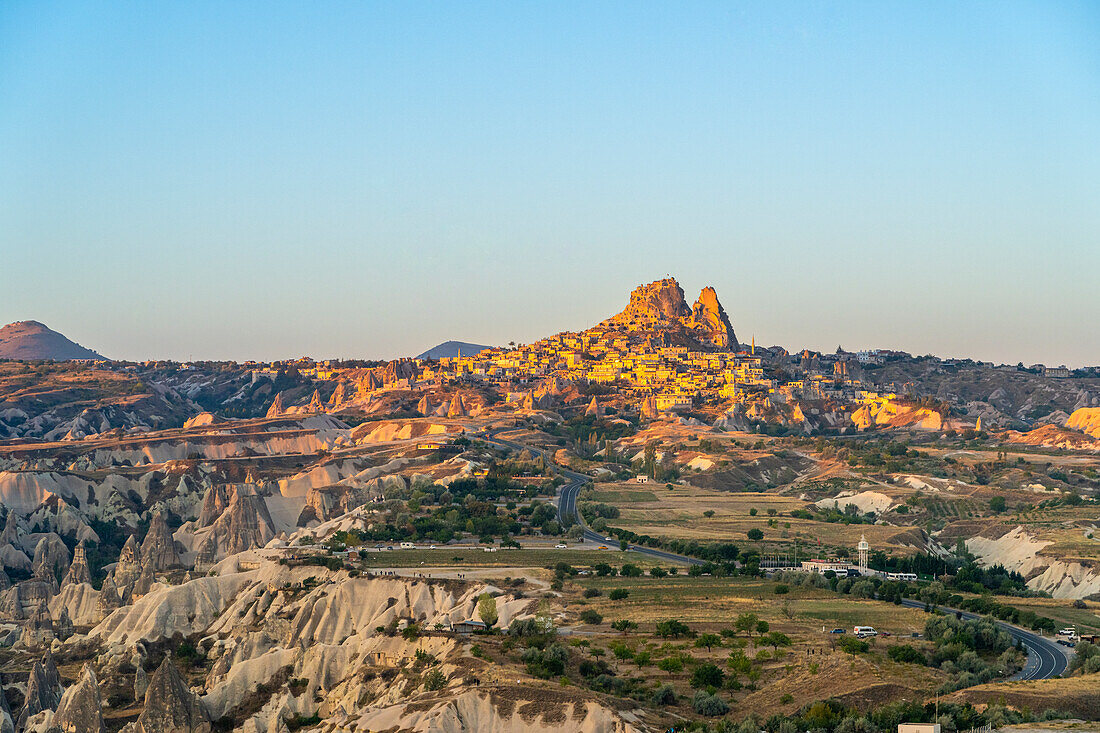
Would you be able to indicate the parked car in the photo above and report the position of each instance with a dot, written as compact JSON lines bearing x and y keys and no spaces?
{"x":560,"y":546}
{"x":838,"y":631}
{"x":1067,"y":632}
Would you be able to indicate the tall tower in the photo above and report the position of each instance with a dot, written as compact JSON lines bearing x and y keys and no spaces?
{"x":864,"y":549}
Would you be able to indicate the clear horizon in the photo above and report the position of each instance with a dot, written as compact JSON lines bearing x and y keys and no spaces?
{"x":257,"y":181}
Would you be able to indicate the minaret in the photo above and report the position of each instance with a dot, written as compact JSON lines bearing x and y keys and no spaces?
{"x":864,"y":548}
{"x":753,"y":352}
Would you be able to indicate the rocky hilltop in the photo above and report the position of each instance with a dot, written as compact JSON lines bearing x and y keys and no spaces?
{"x":33,"y":340}
{"x":660,"y":308}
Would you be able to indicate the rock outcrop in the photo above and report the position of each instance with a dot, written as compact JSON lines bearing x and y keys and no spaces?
{"x":158,"y":552}
{"x":456,"y":408}
{"x":214,"y":502}
{"x":44,"y":690}
{"x":1085,"y":419}
{"x":593,"y":409}
{"x":81,"y":709}
{"x":710,"y":321}
{"x":277,"y":407}
{"x":51,"y":558}
{"x":170,"y":707}
{"x":660,"y":310}
{"x":245,"y":524}
{"x":78,"y":569}
{"x":128,"y":568}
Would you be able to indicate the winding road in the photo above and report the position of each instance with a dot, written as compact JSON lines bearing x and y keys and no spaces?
{"x":568,"y":513}
{"x":1045,"y":659}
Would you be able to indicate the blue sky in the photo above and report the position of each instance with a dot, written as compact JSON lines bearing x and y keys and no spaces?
{"x":265,"y":180}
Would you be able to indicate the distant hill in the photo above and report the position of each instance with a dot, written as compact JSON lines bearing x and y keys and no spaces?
{"x":451,"y":349}
{"x":33,"y":340}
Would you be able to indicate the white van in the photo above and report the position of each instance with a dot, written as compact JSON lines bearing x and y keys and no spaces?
{"x":408,"y":546}
{"x":864,"y":631}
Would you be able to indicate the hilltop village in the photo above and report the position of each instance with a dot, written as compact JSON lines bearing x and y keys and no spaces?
{"x":657,"y":356}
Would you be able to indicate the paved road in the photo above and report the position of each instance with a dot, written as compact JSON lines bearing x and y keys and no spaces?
{"x":568,"y":513}
{"x":1045,"y":659}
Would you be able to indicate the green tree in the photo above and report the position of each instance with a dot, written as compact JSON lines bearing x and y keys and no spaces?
{"x":708,"y":641}
{"x":672,"y":665}
{"x":487,"y":610}
{"x":746,"y":622}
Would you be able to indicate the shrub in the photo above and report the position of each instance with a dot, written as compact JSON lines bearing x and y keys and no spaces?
{"x":591,"y":616}
{"x":618,"y":594}
{"x":434,"y":680}
{"x":672,"y":628}
{"x":853,"y":645}
{"x":709,"y":705}
{"x":664,"y":695}
{"x":782,"y":589}
{"x":592,"y":592}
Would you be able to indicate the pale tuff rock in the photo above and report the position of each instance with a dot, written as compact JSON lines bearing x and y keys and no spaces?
{"x":660,"y":306}
{"x":78,"y":569}
{"x":277,"y":407}
{"x":649,"y":408}
{"x":44,"y":690}
{"x":158,"y":552}
{"x":207,"y":554}
{"x":658,"y":302}
{"x":315,"y":404}
{"x":109,"y":598}
{"x":51,"y":558}
{"x":456,"y":408}
{"x":128,"y":569}
{"x":7,"y":720}
{"x":38,"y":631}
{"x":710,"y":320}
{"x":170,"y":707}
{"x":529,"y":401}
{"x":141,"y":682}
{"x":1085,"y":419}
{"x":78,"y":602}
{"x":5,"y":581}
{"x":424,"y":406}
{"x":593,"y":409}
{"x":10,"y":535}
{"x":245,"y":524}
{"x":81,"y":709}
{"x":214,"y":502}
{"x":200,"y":420}
{"x":63,"y":625}
{"x":144,"y":583}
{"x":23,"y":599}
{"x":339,"y":395}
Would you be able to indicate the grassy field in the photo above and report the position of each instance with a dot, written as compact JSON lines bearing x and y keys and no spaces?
{"x":715,"y":602}
{"x":681,"y":513}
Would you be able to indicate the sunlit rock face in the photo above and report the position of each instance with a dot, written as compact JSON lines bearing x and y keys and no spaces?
{"x":660,"y":309}
{"x":658,"y":302}
{"x":710,"y":321}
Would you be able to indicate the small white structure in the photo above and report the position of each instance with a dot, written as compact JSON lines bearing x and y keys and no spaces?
{"x":919,"y":728}
{"x":864,"y":548}
{"x":641,"y":479}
